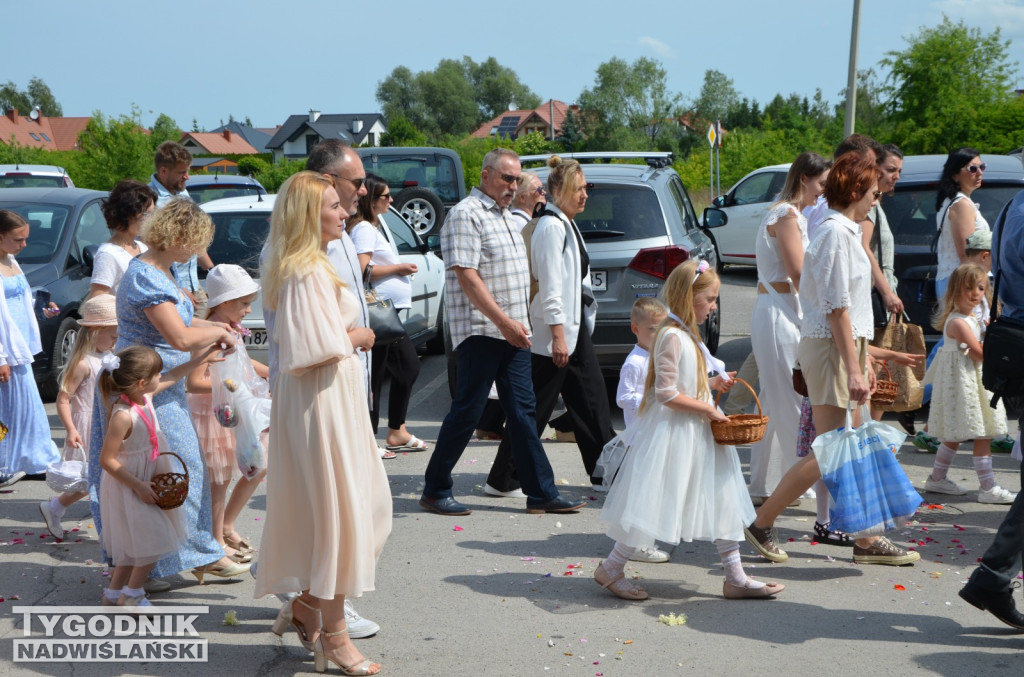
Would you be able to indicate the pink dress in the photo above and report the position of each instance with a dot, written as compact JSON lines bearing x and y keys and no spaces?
{"x":216,"y":441}
{"x":136,"y":533}
{"x":82,"y":399}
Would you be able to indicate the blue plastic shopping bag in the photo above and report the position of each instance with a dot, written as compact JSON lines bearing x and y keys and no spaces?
{"x":870,"y":492}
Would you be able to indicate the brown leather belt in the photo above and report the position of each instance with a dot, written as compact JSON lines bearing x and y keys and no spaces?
{"x":781,"y":287}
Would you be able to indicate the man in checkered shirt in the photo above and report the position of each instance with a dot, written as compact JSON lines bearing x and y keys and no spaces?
{"x":487,"y":285}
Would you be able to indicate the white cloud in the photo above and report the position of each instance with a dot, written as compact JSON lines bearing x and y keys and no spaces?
{"x":658,"y":47}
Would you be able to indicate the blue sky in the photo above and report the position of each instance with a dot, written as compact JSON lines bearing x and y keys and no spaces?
{"x":267,"y":60}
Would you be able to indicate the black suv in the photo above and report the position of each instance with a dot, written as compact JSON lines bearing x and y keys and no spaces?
{"x":911,"y":215}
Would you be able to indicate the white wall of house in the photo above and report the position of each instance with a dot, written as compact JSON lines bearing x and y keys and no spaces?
{"x":373,"y":136}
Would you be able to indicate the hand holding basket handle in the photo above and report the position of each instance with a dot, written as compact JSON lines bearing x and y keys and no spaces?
{"x":740,"y":428}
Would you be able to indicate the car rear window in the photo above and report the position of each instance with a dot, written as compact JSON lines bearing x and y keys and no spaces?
{"x":436,"y":172}
{"x":911,"y":212}
{"x":621,"y":213}
{"x":46,"y":229}
{"x":238,"y":238}
{"x":29,"y":181}
{"x":216,"y":191}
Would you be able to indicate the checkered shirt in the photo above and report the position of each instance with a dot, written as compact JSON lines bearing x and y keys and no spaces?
{"x":479,"y":234}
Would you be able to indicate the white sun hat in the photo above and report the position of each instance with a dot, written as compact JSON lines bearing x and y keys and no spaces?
{"x":226,"y":281}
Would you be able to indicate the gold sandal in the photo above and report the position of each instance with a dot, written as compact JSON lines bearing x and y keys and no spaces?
{"x":238,"y":542}
{"x":220,"y":571}
{"x":286,"y":618}
{"x":320,"y":659}
{"x":623,"y":591}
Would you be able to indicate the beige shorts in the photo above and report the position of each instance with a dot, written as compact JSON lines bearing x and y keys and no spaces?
{"x":825,"y":372}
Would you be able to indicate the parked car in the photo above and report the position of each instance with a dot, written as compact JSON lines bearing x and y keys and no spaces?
{"x":746,"y":203}
{"x":639,"y":224}
{"x":34,"y":176}
{"x":205,"y":187}
{"x":426,"y":182}
{"x":241,"y":227}
{"x":63,"y":222}
{"x":911,"y":211}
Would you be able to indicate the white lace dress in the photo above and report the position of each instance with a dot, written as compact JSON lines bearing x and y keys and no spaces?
{"x":675,"y":482}
{"x":775,"y":335}
{"x":945,"y":250}
{"x":960,"y":408}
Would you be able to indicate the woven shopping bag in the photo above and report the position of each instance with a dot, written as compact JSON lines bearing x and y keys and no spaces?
{"x":904,"y":337}
{"x":870,"y":492}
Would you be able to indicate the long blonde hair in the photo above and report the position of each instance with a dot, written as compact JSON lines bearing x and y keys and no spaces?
{"x":677,"y":294}
{"x":85,"y":343}
{"x":964,"y":277}
{"x":294,"y":245}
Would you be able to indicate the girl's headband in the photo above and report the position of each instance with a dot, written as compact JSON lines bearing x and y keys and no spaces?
{"x":701,"y":267}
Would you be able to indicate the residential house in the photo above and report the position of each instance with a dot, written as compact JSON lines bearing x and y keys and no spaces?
{"x":216,"y":143}
{"x":300,"y":133}
{"x":258,"y":137}
{"x":546,"y":118}
{"x":214,"y":165}
{"x":39,"y":131}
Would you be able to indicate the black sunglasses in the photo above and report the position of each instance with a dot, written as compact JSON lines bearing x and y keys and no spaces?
{"x":358,"y":183}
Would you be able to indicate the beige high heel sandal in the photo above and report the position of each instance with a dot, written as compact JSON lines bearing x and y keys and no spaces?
{"x":286,"y":618}
{"x":320,"y":659}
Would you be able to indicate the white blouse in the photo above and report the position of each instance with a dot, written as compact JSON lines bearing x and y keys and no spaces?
{"x":770,"y":267}
{"x":836,"y":275}
{"x":110,"y":263}
{"x":946,"y":248}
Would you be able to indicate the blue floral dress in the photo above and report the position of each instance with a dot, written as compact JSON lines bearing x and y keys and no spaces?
{"x":28,"y":446}
{"x":144,"y":286}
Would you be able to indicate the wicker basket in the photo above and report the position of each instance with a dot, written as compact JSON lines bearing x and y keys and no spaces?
{"x":886,"y":390}
{"x":740,"y":428}
{"x":171,"y":487}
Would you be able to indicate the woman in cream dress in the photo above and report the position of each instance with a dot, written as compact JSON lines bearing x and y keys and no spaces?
{"x":328,"y":498}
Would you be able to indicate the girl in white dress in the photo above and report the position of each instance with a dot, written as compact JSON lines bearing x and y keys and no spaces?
{"x":676,"y":483}
{"x":136,"y":533}
{"x":960,"y":404}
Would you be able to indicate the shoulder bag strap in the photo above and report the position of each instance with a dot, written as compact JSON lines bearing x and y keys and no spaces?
{"x":999,"y":271}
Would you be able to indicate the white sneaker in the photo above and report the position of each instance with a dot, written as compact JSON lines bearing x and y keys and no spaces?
{"x":996,"y":495}
{"x":358,"y":627}
{"x":944,"y":486}
{"x":52,"y":521}
{"x":651,"y":555}
{"x":809,"y":495}
{"x":515,"y":493}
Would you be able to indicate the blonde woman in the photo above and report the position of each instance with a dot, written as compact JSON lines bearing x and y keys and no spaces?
{"x":328,"y":498}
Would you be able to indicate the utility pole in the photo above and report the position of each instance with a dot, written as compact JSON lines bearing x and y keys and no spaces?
{"x":851,"y":80}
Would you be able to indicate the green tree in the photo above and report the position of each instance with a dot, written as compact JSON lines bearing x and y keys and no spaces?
{"x":534,"y":143}
{"x":448,"y":95}
{"x":164,"y":129}
{"x":401,"y":132}
{"x":571,"y":134}
{"x":940,"y":86}
{"x":12,"y":98}
{"x":113,"y":149}
{"x":37,"y":94}
{"x":497,"y":88}
{"x":717,"y":97}
{"x":631,"y":96}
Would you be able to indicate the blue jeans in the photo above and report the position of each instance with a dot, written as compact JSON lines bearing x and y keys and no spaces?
{"x":481,"y":361}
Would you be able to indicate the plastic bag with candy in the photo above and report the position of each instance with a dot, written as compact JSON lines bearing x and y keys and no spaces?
{"x":241,"y":400}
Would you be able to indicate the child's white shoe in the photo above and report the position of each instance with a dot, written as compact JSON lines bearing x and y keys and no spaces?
{"x":996,"y":495}
{"x":52,"y":521}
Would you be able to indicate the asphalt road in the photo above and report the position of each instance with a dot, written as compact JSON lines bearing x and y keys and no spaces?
{"x":499,"y":592}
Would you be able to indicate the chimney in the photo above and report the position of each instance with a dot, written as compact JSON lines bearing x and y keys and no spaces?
{"x":357,"y":126}
{"x":227,"y":135}
{"x":12,"y":115}
{"x":314,"y":115}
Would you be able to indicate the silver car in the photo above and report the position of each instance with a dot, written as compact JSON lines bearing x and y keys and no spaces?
{"x":241,"y":227}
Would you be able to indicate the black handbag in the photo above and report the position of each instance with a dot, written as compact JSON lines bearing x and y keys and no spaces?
{"x":878,"y":310}
{"x":384,"y":321}
{"x":1002,"y":370}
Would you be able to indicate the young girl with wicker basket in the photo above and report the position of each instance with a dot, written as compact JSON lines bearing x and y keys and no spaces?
{"x":140,"y":521}
{"x":676,"y":482}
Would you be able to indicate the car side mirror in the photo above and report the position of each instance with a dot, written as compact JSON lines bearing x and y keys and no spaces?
{"x":714,"y":217}
{"x":719,"y":201}
{"x":89,"y":256}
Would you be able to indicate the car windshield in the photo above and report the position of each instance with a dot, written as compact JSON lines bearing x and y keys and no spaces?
{"x":46,"y":229}
{"x":911,"y":213}
{"x":215,"y":191}
{"x":621,"y":212}
{"x":238,"y":238}
{"x":435,"y":172}
{"x":30,"y":181}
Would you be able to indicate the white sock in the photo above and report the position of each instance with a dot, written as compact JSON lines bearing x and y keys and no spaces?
{"x":983,"y":466}
{"x":943,"y":459}
{"x":56,"y":509}
{"x":617,"y":558}
{"x":112,"y":594}
{"x":823,"y":500}
{"x":729,"y":551}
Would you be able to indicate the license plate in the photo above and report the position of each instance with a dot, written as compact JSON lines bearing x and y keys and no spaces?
{"x":599,"y":280}
{"x":257,"y":337}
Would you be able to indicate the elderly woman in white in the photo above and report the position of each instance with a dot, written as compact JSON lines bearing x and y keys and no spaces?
{"x":562,"y":311}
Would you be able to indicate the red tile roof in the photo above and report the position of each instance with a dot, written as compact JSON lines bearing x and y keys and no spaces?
{"x":66,"y":131}
{"x":50,"y":133}
{"x":542,"y":111}
{"x":217,"y":143}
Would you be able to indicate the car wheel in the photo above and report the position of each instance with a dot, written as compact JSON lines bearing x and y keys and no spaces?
{"x":435,"y":346}
{"x":422,"y":209}
{"x":711,"y":329}
{"x":64,"y":343}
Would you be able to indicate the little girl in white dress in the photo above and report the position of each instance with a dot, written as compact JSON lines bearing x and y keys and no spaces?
{"x":675,"y":482}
